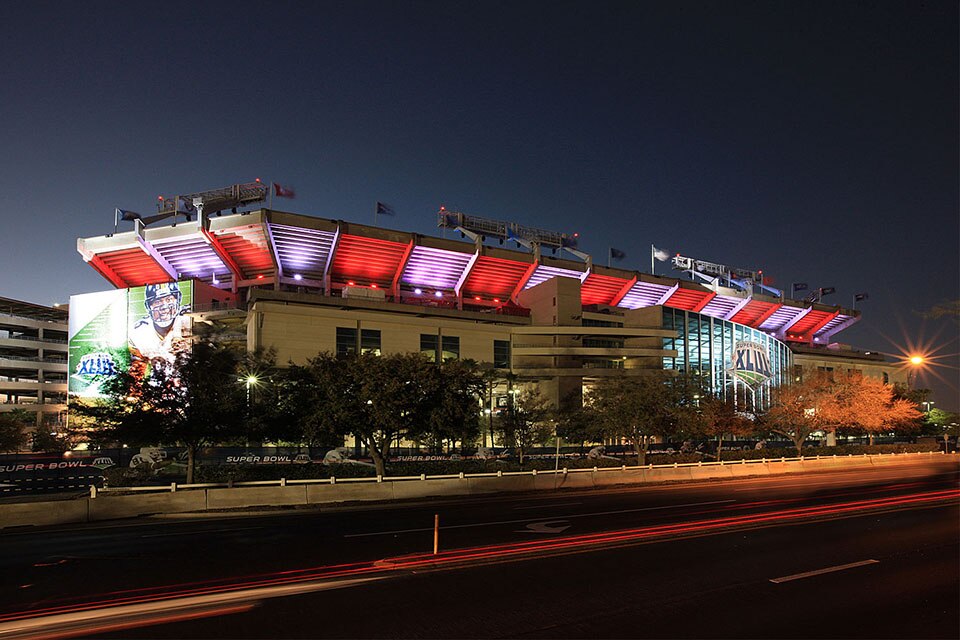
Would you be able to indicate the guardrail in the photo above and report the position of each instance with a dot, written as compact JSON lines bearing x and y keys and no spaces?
{"x":562,"y":471}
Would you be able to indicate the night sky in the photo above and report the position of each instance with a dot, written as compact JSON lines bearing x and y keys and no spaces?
{"x":817,"y":141}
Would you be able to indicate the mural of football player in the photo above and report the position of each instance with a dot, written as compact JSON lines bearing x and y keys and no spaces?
{"x":163,"y":331}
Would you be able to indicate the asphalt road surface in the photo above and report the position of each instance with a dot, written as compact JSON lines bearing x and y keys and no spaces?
{"x":871,"y":553}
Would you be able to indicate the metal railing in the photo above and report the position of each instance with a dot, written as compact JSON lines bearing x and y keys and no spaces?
{"x":562,"y":471}
{"x":33,"y":339}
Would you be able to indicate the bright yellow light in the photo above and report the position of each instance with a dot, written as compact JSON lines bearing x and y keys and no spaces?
{"x":916,"y":359}
{"x":251,"y":379}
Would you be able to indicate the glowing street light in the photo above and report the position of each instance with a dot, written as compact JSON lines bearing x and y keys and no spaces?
{"x":916,"y":361}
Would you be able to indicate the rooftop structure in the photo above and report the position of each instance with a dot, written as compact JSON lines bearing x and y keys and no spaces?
{"x":268,"y":249}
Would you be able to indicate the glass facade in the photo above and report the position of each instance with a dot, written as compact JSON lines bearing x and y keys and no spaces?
{"x":736,"y":361}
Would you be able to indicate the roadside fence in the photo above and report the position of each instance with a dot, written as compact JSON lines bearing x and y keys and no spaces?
{"x":560,"y":471}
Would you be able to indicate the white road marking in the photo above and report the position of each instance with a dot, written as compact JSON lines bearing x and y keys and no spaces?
{"x":200,"y":532}
{"x":546,"y":506}
{"x":577,"y":515}
{"x":547,"y":526}
{"x":808,"y":574}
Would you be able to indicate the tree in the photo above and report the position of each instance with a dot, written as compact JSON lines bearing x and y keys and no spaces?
{"x":869,"y":404}
{"x":193,"y":402}
{"x":525,"y":421}
{"x":719,"y":417}
{"x":453,"y":411}
{"x":639,"y":408}
{"x":382,"y":399}
{"x":798,"y":409}
{"x":866,"y":404}
{"x":13,"y":426}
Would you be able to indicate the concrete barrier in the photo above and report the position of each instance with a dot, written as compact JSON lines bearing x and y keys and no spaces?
{"x":405,"y":489}
{"x":130,"y":506}
{"x":108,"y":506}
{"x":43,"y":513}
{"x":349,"y":492}
{"x":576,"y":480}
{"x":711,"y":472}
{"x":255,"y":496}
{"x":496,"y":485}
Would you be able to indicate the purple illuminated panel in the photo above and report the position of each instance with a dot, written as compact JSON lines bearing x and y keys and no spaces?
{"x":721,"y":306}
{"x":192,"y":257}
{"x":544,"y":273}
{"x":434,"y":268}
{"x":836,"y":322}
{"x":780,"y":317}
{"x":643,"y":294}
{"x":302,"y":252}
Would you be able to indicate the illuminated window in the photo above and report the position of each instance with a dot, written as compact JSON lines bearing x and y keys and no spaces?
{"x":429,"y":344}
{"x":501,"y":354}
{"x":370,"y":341}
{"x":346,"y":341}
{"x":451,"y":348}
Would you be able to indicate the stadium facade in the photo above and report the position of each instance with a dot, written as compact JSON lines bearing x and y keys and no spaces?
{"x":303,"y":285}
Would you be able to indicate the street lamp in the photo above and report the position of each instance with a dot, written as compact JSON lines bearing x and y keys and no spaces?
{"x":916,"y":361}
{"x":250,"y":381}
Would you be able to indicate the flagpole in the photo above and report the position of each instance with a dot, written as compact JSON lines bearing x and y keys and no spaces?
{"x":854,"y":302}
{"x":116,"y":220}
{"x":652,"y":271}
{"x":270,"y":190}
{"x":609,"y":254}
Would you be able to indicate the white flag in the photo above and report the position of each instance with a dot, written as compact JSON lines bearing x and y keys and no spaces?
{"x":660,"y":254}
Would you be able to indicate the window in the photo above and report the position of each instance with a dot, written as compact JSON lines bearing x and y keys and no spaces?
{"x":429,"y":344}
{"x":346,"y":341}
{"x":501,"y":354}
{"x":451,"y":348}
{"x":370,"y":341}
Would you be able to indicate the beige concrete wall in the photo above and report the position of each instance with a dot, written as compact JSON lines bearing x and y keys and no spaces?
{"x":896,"y":374}
{"x":299,"y":332}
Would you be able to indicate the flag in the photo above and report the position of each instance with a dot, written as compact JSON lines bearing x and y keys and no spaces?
{"x":800,"y":286}
{"x":616,"y":254}
{"x":510,"y":234}
{"x":857,"y":297}
{"x":811,"y":298}
{"x":568,"y":242}
{"x":385,"y":209}
{"x":825,"y":291}
{"x":660,"y":254}
{"x":283,"y":192}
{"x":129,"y":215}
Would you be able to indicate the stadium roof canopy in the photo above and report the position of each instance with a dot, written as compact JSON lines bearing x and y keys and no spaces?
{"x":271,"y":248}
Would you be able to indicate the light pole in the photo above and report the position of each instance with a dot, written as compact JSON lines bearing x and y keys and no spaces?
{"x":250,"y":381}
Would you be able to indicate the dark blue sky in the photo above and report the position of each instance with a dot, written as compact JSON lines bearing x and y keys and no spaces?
{"x":817,"y":140}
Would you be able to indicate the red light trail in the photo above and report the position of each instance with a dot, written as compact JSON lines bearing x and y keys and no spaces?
{"x":491,"y":553}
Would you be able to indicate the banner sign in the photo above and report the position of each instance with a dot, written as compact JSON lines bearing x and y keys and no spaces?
{"x":114,"y":331}
{"x":751,"y":363}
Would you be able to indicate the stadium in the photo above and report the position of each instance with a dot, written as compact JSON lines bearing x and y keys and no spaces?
{"x":519,"y":299}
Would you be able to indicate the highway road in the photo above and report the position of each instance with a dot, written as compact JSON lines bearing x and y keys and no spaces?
{"x":870,"y":553}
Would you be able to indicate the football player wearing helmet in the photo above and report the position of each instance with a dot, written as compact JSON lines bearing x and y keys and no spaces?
{"x":160,"y":333}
